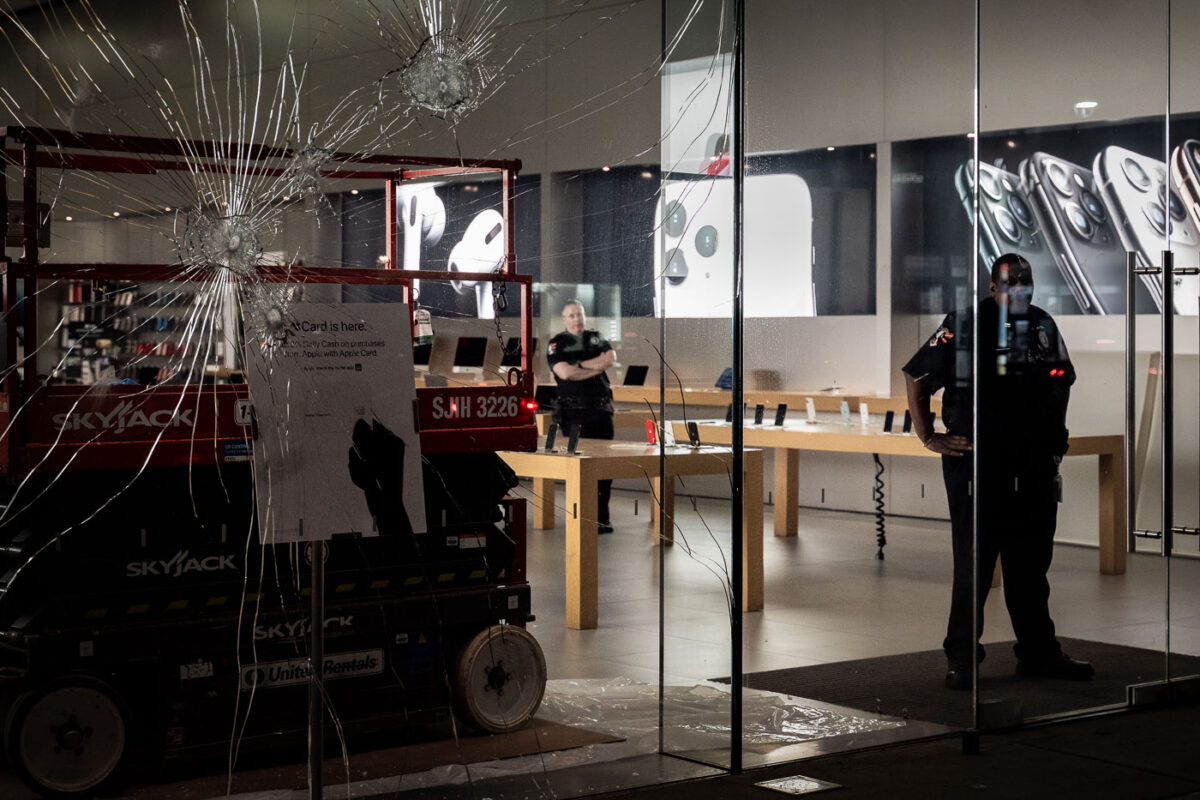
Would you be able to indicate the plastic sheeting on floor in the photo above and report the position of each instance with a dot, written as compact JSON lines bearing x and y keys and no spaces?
{"x":698,"y":715}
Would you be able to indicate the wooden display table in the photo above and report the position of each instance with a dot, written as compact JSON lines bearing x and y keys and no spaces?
{"x":621,"y":419}
{"x":837,"y":437}
{"x":796,"y":400}
{"x":599,"y":460}
{"x":722,"y":398}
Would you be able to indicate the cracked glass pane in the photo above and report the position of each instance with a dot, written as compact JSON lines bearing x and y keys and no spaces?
{"x":233,"y":229}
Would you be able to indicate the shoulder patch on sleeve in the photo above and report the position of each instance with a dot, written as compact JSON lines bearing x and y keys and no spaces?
{"x":553,"y":347}
{"x":941,"y":336}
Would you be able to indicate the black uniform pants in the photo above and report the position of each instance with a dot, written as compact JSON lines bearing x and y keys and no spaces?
{"x":594,"y":423}
{"x":1018,"y":506}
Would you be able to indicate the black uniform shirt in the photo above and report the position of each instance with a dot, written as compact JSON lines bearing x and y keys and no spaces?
{"x":593,"y":392}
{"x":1024,"y":387}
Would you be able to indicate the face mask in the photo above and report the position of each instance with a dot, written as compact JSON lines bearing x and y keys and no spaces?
{"x":1019,"y":298}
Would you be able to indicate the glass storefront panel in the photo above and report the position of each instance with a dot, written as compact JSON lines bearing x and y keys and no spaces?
{"x":1183,"y":628}
{"x":571,"y":90}
{"x":693,"y":239}
{"x":856,"y":245}
{"x":1072,"y":176}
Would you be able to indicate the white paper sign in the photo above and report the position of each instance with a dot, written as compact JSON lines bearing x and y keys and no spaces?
{"x":336,"y":448}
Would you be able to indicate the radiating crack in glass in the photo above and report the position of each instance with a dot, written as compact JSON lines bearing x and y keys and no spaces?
{"x":303,"y":176}
{"x":270,"y":308}
{"x":446,"y":52}
{"x":229,"y":242}
{"x":443,"y":78}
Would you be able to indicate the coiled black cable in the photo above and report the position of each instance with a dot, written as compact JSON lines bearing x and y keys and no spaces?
{"x":880,"y":521}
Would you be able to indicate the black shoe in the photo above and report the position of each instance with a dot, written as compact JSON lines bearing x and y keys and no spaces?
{"x":1062,"y":667}
{"x":604,"y":527}
{"x":959,"y":678}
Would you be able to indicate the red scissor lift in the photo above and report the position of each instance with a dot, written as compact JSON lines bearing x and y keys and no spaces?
{"x":139,"y":616}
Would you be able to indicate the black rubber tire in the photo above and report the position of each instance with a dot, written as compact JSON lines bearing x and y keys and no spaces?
{"x":67,"y":738}
{"x":499,"y":679}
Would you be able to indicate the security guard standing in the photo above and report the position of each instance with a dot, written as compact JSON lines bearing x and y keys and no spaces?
{"x":578,"y":357}
{"x":1024,"y":378}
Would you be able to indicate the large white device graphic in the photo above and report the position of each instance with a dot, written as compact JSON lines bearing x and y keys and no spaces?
{"x":481,"y":250}
{"x":694,"y":225}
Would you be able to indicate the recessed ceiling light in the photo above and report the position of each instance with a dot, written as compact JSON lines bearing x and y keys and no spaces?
{"x":69,"y":219}
{"x":354,"y":191}
{"x":1084,"y":105}
{"x":647,"y":174}
{"x":166,"y":208}
{"x":605,"y":168}
{"x":1011,"y":144}
{"x":116,"y":213}
{"x":830,"y":148}
{"x":970,"y":135}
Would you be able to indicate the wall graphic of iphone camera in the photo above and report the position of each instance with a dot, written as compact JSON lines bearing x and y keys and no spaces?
{"x":694,"y":233}
{"x":1185,"y":174}
{"x":1137,"y":191}
{"x":1186,"y":235}
{"x":1080,"y":231}
{"x":1010,"y":223}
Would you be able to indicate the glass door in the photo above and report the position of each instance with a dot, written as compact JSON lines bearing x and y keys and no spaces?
{"x":701,"y":544}
{"x":856,"y":247}
{"x":1069,"y":174}
{"x":1182,"y":639}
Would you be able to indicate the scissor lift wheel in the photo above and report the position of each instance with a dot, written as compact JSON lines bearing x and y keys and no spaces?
{"x":499,"y":679}
{"x":67,"y":738}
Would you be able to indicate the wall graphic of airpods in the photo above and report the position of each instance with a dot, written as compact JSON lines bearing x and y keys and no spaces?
{"x":481,"y":250}
{"x":423,"y":215}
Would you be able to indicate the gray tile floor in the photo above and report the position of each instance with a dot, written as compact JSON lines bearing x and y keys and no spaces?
{"x":828,"y":598}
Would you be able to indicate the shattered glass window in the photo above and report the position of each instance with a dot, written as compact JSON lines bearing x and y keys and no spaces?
{"x":282,"y":282}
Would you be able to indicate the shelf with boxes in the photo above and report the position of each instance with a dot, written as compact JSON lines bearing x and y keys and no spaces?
{"x":145,"y":333}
